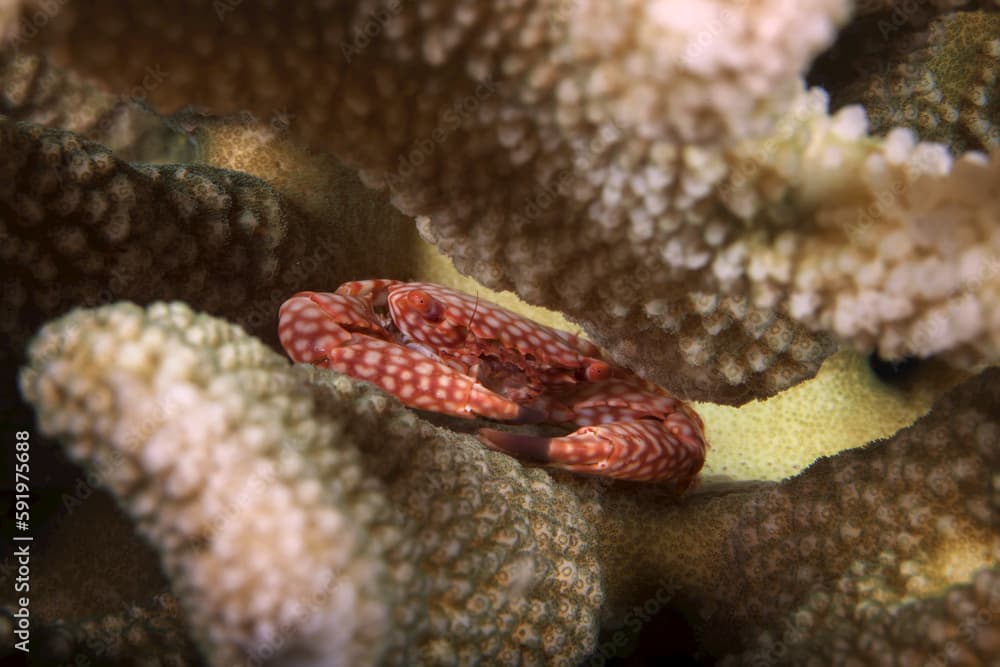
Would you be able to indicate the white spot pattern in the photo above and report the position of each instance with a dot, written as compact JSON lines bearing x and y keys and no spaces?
{"x":635,"y":431}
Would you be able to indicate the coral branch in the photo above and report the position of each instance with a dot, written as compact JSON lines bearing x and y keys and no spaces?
{"x":284,"y":544}
{"x":235,"y":465}
{"x":666,"y":181}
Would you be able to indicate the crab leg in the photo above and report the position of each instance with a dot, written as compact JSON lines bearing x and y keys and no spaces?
{"x":308,"y":323}
{"x":422,"y":383}
{"x":309,"y":334}
{"x":668,"y":449}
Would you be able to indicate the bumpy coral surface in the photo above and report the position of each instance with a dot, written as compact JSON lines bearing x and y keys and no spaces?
{"x":899,"y":523}
{"x":32,"y":89}
{"x":876,"y":552}
{"x":285,"y":545}
{"x":421,"y":542}
{"x":554,"y":137}
{"x":81,"y":226}
{"x":945,"y":89}
{"x":667,"y":183}
{"x":106,"y":603}
{"x":846,"y":405}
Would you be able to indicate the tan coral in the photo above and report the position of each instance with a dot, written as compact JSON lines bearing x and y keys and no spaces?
{"x":237,"y":500}
{"x":56,"y":208}
{"x":443,"y":529}
{"x":826,"y":563}
{"x":959,"y":625}
{"x":99,"y":595}
{"x":31,"y":89}
{"x":537,"y":101}
{"x":364,"y":220}
{"x":865,"y":7}
{"x":82,"y":227}
{"x":944,"y":88}
{"x":626,"y":220}
{"x":283,"y":542}
{"x":10,"y":16}
{"x":874,"y":267}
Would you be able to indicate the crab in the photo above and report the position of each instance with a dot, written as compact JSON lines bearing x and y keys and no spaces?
{"x":442,"y":350}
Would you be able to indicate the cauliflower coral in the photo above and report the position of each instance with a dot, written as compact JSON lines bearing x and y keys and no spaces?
{"x":305,"y":517}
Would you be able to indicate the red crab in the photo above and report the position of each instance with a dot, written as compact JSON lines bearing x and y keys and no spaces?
{"x":439,"y":349}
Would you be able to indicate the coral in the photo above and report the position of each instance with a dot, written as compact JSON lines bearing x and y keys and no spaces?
{"x":945,"y":89}
{"x":846,"y":405}
{"x":32,"y":89}
{"x":839,"y":561}
{"x":219,"y":450}
{"x":149,"y":636}
{"x":108,"y":601}
{"x":278,"y":535}
{"x":97,"y":594}
{"x":865,"y":7}
{"x":541,"y":143}
{"x":82,"y":227}
{"x":958,"y":626}
{"x":697,"y":243}
{"x":897,"y":522}
{"x":729,"y":91}
{"x":10,"y":14}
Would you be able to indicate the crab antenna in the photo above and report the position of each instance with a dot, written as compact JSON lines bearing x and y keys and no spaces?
{"x":475,"y":309}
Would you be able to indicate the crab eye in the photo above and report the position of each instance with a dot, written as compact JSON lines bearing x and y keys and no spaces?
{"x":425,"y":304}
{"x":598,"y":370}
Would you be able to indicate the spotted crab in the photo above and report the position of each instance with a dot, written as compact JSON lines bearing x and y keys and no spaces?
{"x":438,"y":349}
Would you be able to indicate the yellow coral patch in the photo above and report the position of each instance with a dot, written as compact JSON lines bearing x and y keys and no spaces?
{"x":846,"y":405}
{"x":436,"y":268}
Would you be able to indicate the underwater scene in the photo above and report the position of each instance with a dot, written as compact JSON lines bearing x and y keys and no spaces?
{"x":568,"y":333}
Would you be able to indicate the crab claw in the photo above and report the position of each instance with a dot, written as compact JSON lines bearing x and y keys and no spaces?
{"x":338,"y":331}
{"x":671,"y":449}
{"x":423,"y":383}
